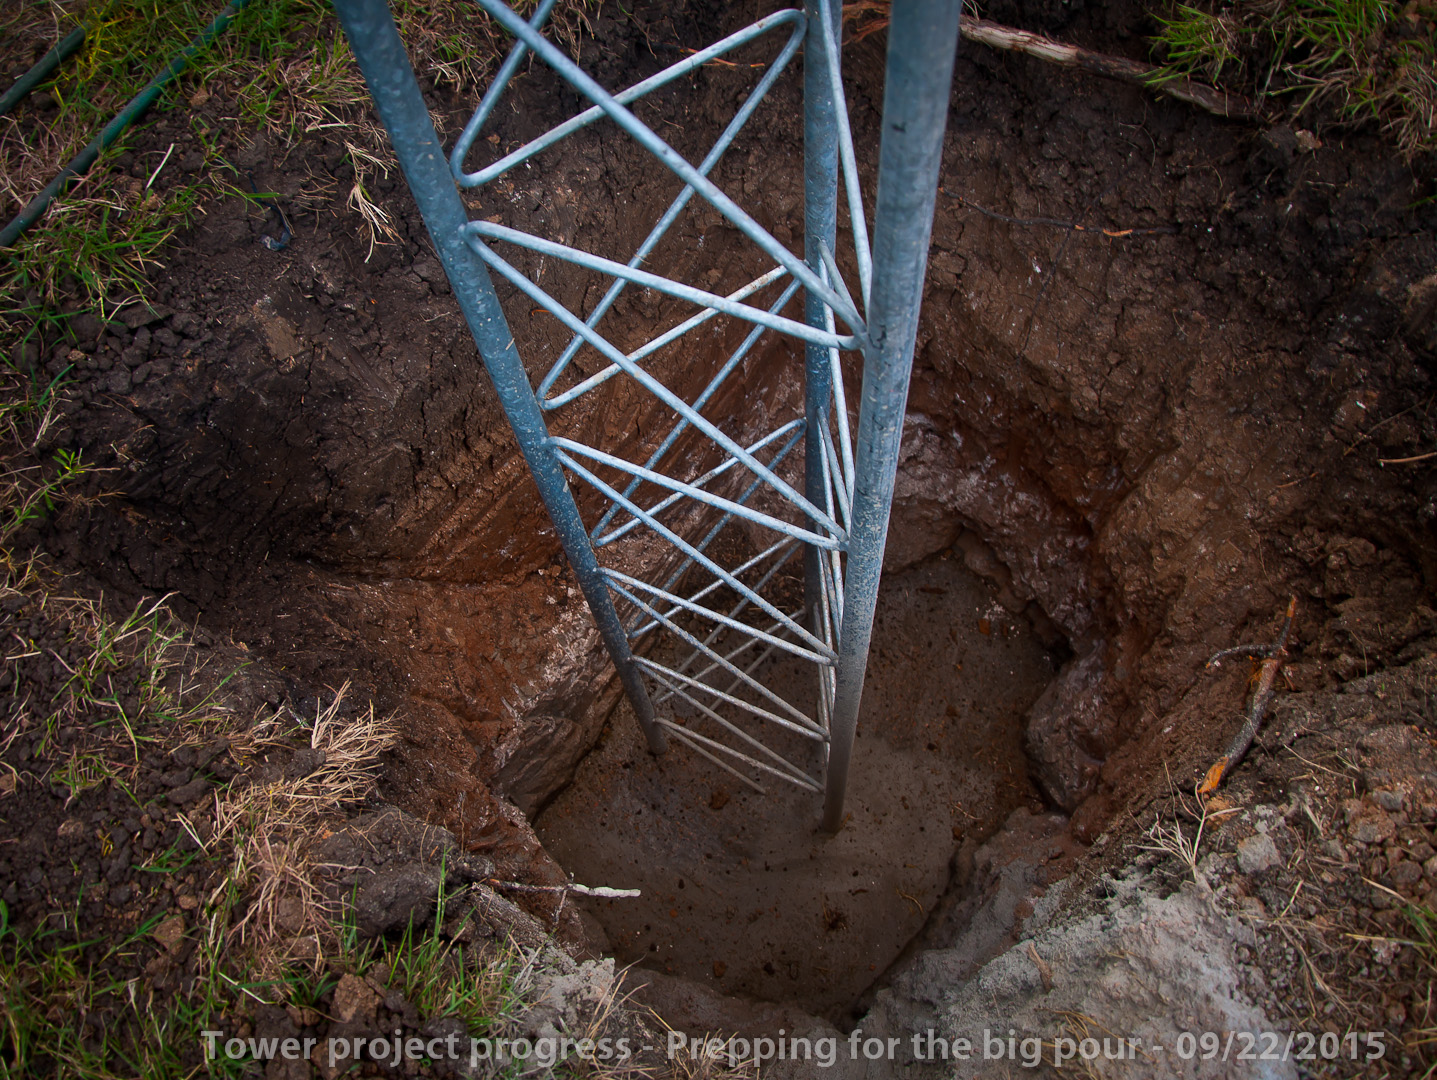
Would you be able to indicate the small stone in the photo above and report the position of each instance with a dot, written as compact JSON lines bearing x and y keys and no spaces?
{"x":137,"y":315}
{"x":1257,"y":853}
{"x":303,"y":763}
{"x":70,"y":828}
{"x":1396,"y":739}
{"x":1429,"y":867}
{"x":189,"y":793}
{"x":393,"y":898}
{"x":1388,"y":799}
{"x":302,"y":1015}
{"x":210,"y":752}
{"x":1333,"y":849}
{"x":1253,"y":908}
{"x":187,"y":902}
{"x":289,"y":913}
{"x":1405,"y":874}
{"x":1372,"y":826}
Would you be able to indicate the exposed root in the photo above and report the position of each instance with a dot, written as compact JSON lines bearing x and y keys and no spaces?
{"x":1272,"y":657}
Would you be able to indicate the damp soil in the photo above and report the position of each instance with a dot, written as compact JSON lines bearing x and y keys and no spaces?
{"x":1142,"y":441}
{"x":740,"y":891}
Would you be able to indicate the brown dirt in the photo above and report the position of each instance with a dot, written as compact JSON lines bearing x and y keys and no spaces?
{"x":740,"y":890}
{"x":1143,"y":440}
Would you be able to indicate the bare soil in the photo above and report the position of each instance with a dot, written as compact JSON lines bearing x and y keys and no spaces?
{"x":740,"y":891}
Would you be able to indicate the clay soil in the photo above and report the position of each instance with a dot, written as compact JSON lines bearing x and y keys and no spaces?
{"x":1127,"y":444}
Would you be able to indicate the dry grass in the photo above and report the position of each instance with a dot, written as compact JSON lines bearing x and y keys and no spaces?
{"x":1167,"y":836}
{"x":282,"y":68}
{"x":266,"y":828}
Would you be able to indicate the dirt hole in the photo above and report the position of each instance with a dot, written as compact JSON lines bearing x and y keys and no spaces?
{"x":1215,"y":393}
{"x":739,"y":890}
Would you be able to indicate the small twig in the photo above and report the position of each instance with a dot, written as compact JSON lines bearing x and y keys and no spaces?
{"x":720,"y":61}
{"x":1056,"y":223}
{"x":1044,"y":971}
{"x":1405,"y":460}
{"x":1383,"y":423}
{"x":1053,"y":269}
{"x":582,"y":890}
{"x":1247,"y":652}
{"x":1272,"y":657}
{"x":160,"y":167}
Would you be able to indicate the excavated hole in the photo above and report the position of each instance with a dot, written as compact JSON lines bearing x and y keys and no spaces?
{"x":740,"y":892}
{"x":1161,"y":425}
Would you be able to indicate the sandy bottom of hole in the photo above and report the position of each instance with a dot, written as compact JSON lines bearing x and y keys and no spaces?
{"x":740,"y":891}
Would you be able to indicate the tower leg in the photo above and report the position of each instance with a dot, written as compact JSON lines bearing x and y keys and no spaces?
{"x":375,"y":40}
{"x":922,"y":39}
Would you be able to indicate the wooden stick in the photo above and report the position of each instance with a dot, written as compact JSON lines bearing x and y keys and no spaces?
{"x":1405,"y":460}
{"x":1218,"y":102}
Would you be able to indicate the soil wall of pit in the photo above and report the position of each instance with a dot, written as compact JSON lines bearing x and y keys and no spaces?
{"x":1144,"y":432}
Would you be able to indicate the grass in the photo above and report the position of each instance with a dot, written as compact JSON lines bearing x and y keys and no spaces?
{"x":485,"y":987}
{"x":1168,"y":837}
{"x":69,"y":1012}
{"x":1336,"y":61}
{"x":102,"y":241}
{"x":65,"y":1017}
{"x":282,"y":68}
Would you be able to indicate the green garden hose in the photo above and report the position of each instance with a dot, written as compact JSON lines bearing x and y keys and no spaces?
{"x":41,"y":71}
{"x":112,"y":131}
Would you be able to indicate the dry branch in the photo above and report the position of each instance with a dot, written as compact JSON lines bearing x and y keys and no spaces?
{"x":1203,"y":96}
{"x":1009,"y":39}
{"x":571,"y":887}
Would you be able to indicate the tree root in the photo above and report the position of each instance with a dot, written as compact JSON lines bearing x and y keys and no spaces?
{"x":1271,"y":657}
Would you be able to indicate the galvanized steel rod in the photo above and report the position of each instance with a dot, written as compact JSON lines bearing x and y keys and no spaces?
{"x":385,"y":65}
{"x":922,"y":39}
{"x":650,"y":383}
{"x":820,"y":225}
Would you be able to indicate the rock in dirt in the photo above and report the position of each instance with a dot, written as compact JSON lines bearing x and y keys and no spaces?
{"x":171,"y":932}
{"x":1147,"y":967}
{"x":1368,"y":823}
{"x":390,"y":867}
{"x":1257,"y":853}
{"x":1059,"y":731}
{"x":396,"y":898}
{"x":190,"y":793}
{"x":135,"y":316}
